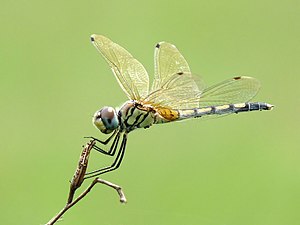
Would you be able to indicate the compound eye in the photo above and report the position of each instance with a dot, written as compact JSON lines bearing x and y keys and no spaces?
{"x":109,"y":118}
{"x":107,"y":113}
{"x":106,"y":120}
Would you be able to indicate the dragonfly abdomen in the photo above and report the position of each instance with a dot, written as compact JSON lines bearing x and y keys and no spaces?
{"x":223,"y":109}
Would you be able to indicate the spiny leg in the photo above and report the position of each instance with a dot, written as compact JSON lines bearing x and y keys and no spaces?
{"x":107,"y":140}
{"x":112,"y":148}
{"x":116,"y":162}
{"x":114,"y":165}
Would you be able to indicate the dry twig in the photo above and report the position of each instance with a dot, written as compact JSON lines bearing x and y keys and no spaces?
{"x":78,"y":179}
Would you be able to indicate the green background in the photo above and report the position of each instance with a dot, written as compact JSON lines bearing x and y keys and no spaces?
{"x":238,"y":170}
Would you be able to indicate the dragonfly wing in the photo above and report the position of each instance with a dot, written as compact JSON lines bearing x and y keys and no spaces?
{"x":130,"y":73}
{"x":180,"y":91}
{"x":167,"y":62}
{"x":173,"y":85}
{"x":235,"y":90}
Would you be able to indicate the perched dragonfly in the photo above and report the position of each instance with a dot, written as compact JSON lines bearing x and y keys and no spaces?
{"x":174,"y":95}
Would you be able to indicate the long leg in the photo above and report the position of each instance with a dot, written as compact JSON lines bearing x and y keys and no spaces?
{"x":106,"y":141}
{"x":114,"y":165}
{"x":113,"y":147}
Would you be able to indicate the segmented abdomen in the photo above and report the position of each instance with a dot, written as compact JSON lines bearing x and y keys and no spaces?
{"x":223,"y":109}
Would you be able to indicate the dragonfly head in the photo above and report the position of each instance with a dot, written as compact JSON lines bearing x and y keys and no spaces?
{"x":106,"y":120}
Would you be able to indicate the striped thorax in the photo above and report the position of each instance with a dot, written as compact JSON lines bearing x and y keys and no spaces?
{"x":133,"y":115}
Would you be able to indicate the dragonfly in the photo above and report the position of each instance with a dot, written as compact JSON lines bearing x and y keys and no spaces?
{"x":175,"y":94}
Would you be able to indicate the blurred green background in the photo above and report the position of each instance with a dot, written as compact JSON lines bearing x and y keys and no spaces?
{"x":238,"y":170}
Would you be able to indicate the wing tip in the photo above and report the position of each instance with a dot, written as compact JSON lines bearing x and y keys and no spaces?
{"x":93,"y":37}
{"x":243,"y":77}
{"x":237,"y":78}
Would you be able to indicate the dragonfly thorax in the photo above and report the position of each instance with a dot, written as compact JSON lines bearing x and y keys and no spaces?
{"x":106,"y":119}
{"x":133,"y":115}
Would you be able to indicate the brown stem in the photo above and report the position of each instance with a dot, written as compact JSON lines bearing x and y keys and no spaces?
{"x":78,"y":179}
{"x":83,"y":194}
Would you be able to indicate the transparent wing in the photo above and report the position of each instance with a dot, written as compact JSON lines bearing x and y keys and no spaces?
{"x":167,"y":62}
{"x":180,"y":91}
{"x":130,"y":73}
{"x":173,"y":85}
{"x":235,"y":90}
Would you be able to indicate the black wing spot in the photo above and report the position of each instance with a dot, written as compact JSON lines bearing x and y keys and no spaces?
{"x":180,"y":73}
{"x":92,"y":39}
{"x":157,"y":46}
{"x":237,"y":78}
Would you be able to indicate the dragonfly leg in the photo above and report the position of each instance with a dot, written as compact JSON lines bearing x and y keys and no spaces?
{"x":114,"y":165}
{"x":112,"y":148}
{"x":106,"y":141}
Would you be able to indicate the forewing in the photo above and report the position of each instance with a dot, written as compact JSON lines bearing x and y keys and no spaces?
{"x":235,"y":90}
{"x":130,"y":73}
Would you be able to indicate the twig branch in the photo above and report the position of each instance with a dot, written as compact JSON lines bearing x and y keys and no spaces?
{"x":83,"y":194}
{"x":78,"y":179}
